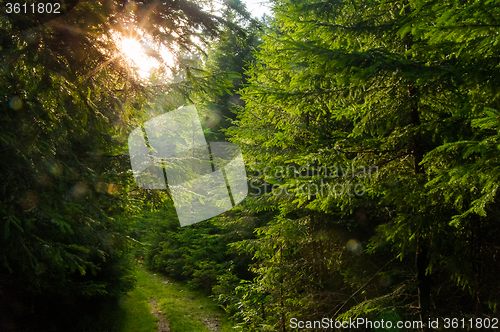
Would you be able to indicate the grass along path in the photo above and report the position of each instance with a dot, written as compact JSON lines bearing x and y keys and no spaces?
{"x":158,"y":304}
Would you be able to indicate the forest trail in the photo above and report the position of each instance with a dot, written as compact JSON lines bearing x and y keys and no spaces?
{"x":177,"y":308}
{"x":162,"y":321}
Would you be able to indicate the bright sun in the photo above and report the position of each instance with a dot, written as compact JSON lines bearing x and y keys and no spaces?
{"x":137,"y":52}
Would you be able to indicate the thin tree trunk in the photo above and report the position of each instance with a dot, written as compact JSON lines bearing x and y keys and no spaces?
{"x":424,"y":285}
{"x":283,"y":320}
{"x":422,"y":253}
{"x":421,"y":256}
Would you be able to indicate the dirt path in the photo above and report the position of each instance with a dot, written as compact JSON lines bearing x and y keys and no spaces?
{"x":177,"y":308}
{"x":162,"y":322}
{"x":211,"y":324}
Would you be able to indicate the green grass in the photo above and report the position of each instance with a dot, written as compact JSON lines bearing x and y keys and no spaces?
{"x":135,"y":313}
{"x":185,"y":310}
{"x":132,"y":313}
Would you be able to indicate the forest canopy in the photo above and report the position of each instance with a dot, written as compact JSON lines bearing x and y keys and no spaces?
{"x":408,"y":87}
{"x":69,"y":100}
{"x":369,"y":131}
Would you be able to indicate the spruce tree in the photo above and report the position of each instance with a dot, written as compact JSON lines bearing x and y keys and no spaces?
{"x":386,"y":84}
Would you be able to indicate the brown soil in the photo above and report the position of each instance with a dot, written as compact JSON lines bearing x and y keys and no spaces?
{"x":212,"y":324}
{"x":162,"y":322}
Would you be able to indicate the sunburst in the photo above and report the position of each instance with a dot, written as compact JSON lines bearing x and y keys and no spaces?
{"x":143,"y":56}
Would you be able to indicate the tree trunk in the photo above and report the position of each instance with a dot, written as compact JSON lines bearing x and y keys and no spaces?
{"x":424,"y":285}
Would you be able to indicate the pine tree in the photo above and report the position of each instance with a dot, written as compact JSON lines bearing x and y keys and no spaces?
{"x":69,"y":101}
{"x":384,"y":84}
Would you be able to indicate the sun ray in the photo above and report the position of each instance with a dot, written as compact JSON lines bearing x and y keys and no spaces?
{"x":143,"y":56}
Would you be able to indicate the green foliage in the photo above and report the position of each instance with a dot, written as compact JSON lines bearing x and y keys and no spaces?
{"x":229,"y":56}
{"x":408,"y":88}
{"x":371,"y":134}
{"x":200,"y":253}
{"x":68,"y":102}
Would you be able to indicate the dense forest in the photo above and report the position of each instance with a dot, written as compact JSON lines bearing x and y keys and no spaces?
{"x":370,"y":132}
